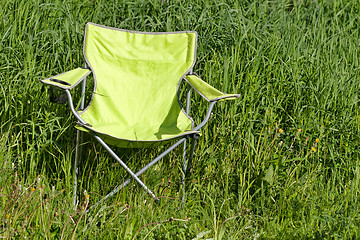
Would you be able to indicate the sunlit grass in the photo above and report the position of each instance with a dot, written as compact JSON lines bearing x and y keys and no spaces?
{"x":281,"y":162}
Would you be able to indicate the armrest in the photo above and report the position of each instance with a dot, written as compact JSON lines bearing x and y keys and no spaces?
{"x":210,"y":93}
{"x":68,"y":80}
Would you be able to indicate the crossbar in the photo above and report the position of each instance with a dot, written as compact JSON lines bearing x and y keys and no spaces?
{"x":141,"y":171}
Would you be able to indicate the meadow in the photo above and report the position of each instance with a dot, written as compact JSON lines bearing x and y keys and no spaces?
{"x":282,"y":162}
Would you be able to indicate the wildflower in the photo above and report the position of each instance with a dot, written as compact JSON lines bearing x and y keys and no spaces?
{"x":7,"y":215}
{"x":87,"y":196}
{"x":313,"y":149}
{"x":281,"y":131}
{"x":28,"y":101}
{"x":317,"y":140}
{"x":56,"y":214}
{"x":33,"y":189}
{"x":299,"y":130}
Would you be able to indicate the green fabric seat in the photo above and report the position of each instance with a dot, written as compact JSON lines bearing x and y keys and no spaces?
{"x":135,"y":101}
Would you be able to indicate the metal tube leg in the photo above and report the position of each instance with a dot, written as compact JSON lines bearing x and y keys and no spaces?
{"x":186,"y":168}
{"x":191,"y":155}
{"x":184,"y":155}
{"x":76,"y":163}
{"x":183,"y":173}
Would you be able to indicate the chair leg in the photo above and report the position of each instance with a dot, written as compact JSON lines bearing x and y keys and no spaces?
{"x":186,"y":167}
{"x":183,"y":174}
{"x":77,"y":161}
{"x":191,"y":155}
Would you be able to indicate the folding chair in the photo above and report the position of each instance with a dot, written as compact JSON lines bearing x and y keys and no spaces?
{"x":135,"y":101}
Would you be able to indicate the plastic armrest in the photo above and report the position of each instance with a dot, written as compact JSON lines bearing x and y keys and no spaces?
{"x":68,"y":80}
{"x":208,"y":92}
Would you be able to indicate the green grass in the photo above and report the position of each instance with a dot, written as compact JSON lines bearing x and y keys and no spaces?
{"x":296,"y":66}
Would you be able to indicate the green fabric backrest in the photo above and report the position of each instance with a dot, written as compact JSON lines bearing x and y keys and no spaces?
{"x":137,"y":74}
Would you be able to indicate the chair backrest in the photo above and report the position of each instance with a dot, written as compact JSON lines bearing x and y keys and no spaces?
{"x":137,"y":73}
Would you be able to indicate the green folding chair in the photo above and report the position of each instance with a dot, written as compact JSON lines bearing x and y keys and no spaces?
{"x":135,"y":101}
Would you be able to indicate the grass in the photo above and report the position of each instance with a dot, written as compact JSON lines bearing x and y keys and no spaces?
{"x":296,"y":66}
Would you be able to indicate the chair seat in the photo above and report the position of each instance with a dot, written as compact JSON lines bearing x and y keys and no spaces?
{"x":135,"y":135}
{"x":136,"y":79}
